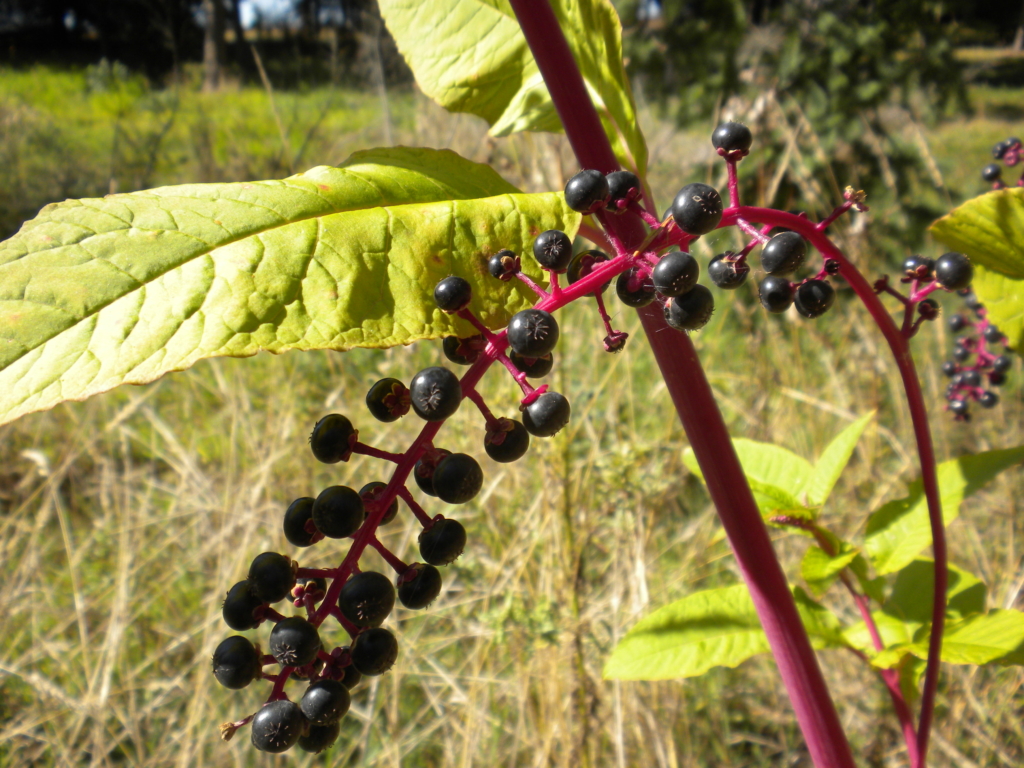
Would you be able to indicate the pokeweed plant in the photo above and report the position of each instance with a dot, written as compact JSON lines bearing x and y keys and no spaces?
{"x":398,"y":245}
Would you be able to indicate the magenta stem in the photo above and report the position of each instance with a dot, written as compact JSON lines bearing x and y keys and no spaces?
{"x":532,"y":285}
{"x":421,"y":514}
{"x":389,"y":556}
{"x":478,"y":399}
{"x":376,"y":453}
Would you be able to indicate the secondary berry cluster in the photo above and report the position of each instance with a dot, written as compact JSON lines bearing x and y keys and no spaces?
{"x":660,"y":269}
{"x":979,"y":360}
{"x":1009,"y":152}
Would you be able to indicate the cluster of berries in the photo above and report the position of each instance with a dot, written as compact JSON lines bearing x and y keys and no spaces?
{"x":967,"y":376}
{"x":1009,"y":151}
{"x":359,"y":600}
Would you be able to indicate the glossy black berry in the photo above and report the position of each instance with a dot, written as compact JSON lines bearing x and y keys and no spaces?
{"x":367,"y":599}
{"x":1002,"y":364}
{"x":997,"y":378}
{"x":458,"y":478}
{"x":960,"y":354}
{"x":533,"y":367}
{"x":371,"y":492}
{"x":547,"y":414}
{"x":452,"y":294}
{"x":423,"y":472}
{"x":675,"y":273}
{"x":971,"y":379}
{"x":814,"y":298}
{"x":236,"y":662}
{"x":988,"y":400}
{"x":587,"y":191}
{"x":776,"y":293}
{"x":352,"y":675}
{"x":783,"y":254}
{"x":634,"y":291}
{"x":954,"y":271}
{"x":388,"y":400}
{"x":971,"y":300}
{"x":991,"y":172}
{"x":918,"y":267}
{"x":461,"y":351}
{"x":319,"y":737}
{"x":583,"y":264}
{"x":332,"y":439}
{"x":957,"y":323}
{"x":949,"y":368}
{"x":325,"y":702}
{"x":959,"y":407}
{"x":435,"y":393}
{"x":338,"y":512}
{"x":697,"y":209}
{"x":727,"y":273}
{"x":271,"y":576}
{"x":532,"y":332}
{"x":507,"y":441}
{"x":278,"y":726}
{"x":732,"y":137}
{"x":929,"y":308}
{"x":503,"y":265}
{"x":419,"y":586}
{"x":294,"y":642}
{"x":553,"y":250}
{"x":297,"y":521}
{"x":691,"y":311}
{"x":443,"y":542}
{"x":239,"y":605}
{"x":993,"y":335}
{"x":374,"y":651}
{"x":623,"y":186}
{"x":832,"y":267}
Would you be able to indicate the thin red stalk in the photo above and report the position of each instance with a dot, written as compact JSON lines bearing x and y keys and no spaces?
{"x":919,"y":417}
{"x":699,"y":412}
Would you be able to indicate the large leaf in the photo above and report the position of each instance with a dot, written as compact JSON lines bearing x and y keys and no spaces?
{"x":899,"y":530}
{"x":97,"y":293}
{"x":1003,"y":297}
{"x":833,"y":461}
{"x":471,"y":56}
{"x":989,"y":229}
{"x":717,"y":627}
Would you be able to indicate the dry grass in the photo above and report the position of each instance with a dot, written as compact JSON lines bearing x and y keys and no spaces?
{"x":124,"y":519}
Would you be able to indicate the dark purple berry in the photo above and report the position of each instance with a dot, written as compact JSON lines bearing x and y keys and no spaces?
{"x":458,"y":478}
{"x":971,"y":378}
{"x":988,"y":400}
{"x":423,"y":472}
{"x":547,"y":414}
{"x":452,"y":294}
{"x":532,"y":332}
{"x":959,"y":407}
{"x":691,"y":311}
{"x":949,"y":368}
{"x":971,"y":300}
{"x":784,"y":253}
{"x":954,"y":271}
{"x":553,"y":250}
{"x":533,"y":367}
{"x":1002,"y":364}
{"x":697,"y":209}
{"x":352,"y":675}
{"x":776,"y":293}
{"x":325,"y":702}
{"x":675,"y":273}
{"x":960,"y":353}
{"x":957,"y":323}
{"x":297,"y":521}
{"x":623,"y":187}
{"x":997,"y":378}
{"x":634,"y":291}
{"x":435,"y":393}
{"x":239,"y":605}
{"x":993,"y":335}
{"x":814,"y":298}
{"x":503,"y":265}
{"x":294,"y":642}
{"x":374,"y":651}
{"x":418,"y":586}
{"x":587,"y":191}
{"x":726,"y":272}
{"x":1000,"y":149}
{"x":370,"y":492}
{"x":442,"y":542}
{"x":338,"y":512}
{"x":236,"y":662}
{"x":732,"y":137}
{"x":583,"y":263}
{"x":271,"y":576}
{"x":918,"y":267}
{"x":319,"y":737}
{"x":332,"y":439}
{"x":929,"y":309}
{"x":462,"y":351}
{"x":278,"y":726}
{"x":367,"y":599}
{"x":388,"y":400}
{"x":991,"y":173}
{"x":506,"y":441}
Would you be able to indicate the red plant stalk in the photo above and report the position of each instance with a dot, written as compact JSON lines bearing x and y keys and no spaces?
{"x":695,"y":403}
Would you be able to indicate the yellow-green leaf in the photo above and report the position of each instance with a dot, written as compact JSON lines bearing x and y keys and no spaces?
{"x":988,"y":228}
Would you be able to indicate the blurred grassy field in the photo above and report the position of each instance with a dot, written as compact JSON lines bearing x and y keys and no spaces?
{"x":124,"y":519}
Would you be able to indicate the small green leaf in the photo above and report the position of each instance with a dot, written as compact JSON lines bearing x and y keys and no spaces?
{"x":717,"y":627}
{"x":121,"y":290}
{"x":911,"y":597}
{"x":833,"y":461}
{"x":996,"y":637}
{"x":872,"y":587}
{"x":989,"y":229}
{"x":471,"y":56}
{"x":899,"y":530}
{"x":779,"y":474}
{"x":1003,"y":297}
{"x":820,"y":571}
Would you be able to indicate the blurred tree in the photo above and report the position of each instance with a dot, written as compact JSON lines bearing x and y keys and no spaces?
{"x":213,"y":43}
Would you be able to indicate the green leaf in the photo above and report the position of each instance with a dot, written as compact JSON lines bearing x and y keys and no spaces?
{"x":911,"y":596}
{"x":989,"y":229}
{"x":911,"y":671}
{"x":820,"y":570}
{"x":471,"y":56}
{"x":872,"y":587}
{"x":717,"y":627}
{"x":996,"y":637}
{"x":121,"y":290}
{"x":833,"y":461}
{"x":1003,"y":297}
{"x":899,"y":530}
